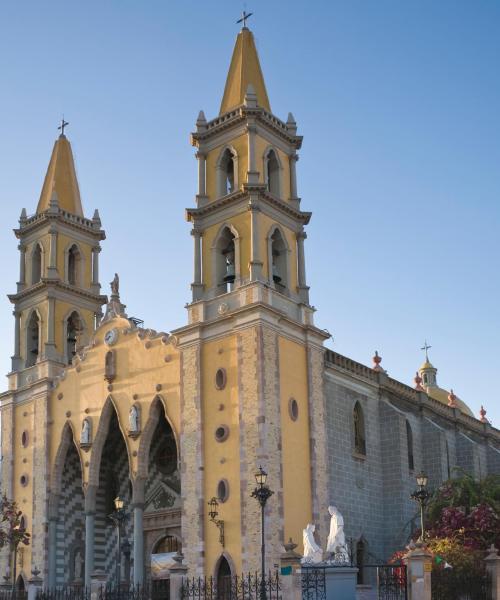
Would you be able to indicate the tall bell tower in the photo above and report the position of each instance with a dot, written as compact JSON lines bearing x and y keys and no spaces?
{"x":252,"y":357}
{"x":58,"y":299}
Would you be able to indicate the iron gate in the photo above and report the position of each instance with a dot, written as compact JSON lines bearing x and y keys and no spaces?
{"x":247,"y":587}
{"x":391,"y":581}
{"x":313,"y":583}
{"x":448,"y":584}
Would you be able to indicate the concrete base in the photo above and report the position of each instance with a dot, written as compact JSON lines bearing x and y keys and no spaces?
{"x":341,"y":583}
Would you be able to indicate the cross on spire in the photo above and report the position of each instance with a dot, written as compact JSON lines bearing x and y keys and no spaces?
{"x":63,"y":125}
{"x":244,"y":17}
{"x":426,"y":347}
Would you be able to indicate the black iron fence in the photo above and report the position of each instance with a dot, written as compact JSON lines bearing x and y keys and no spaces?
{"x":391,"y":581}
{"x":247,"y":587}
{"x":64,"y":593}
{"x":313,"y":581}
{"x":13,"y":595}
{"x":156,"y":590}
{"x":448,"y":584}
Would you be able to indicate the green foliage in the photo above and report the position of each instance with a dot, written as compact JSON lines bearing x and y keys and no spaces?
{"x":11,"y":532}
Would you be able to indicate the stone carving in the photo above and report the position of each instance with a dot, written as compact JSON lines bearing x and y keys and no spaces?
{"x":133,"y":419}
{"x":312,"y":552}
{"x":78,"y":565}
{"x":85,"y":433}
{"x":336,"y":538}
{"x":115,"y":285}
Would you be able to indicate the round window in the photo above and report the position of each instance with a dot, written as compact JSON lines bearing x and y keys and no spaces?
{"x":220,"y":379}
{"x":24,"y":480}
{"x":293,"y":409}
{"x":223,"y":490}
{"x":24,"y":439}
{"x":222,"y":433}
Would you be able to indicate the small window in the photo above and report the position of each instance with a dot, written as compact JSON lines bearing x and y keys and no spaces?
{"x":33,"y":341}
{"x":73,"y":330}
{"x":278,"y":260}
{"x":24,"y":439}
{"x":293,"y":409}
{"x":24,"y":480}
{"x":74,"y":265}
{"x":23,"y":523}
{"x":223,"y":490}
{"x":36,"y":265}
{"x":222,"y":433}
{"x":359,"y":430}
{"x":272,"y":173}
{"x":220,"y":379}
{"x":409,"y":440}
{"x":227,"y":173}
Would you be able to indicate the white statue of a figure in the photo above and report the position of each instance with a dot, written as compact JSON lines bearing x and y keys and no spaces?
{"x":85,"y":434}
{"x":78,"y":565}
{"x":133,"y":419}
{"x":312,"y":552}
{"x":336,"y":538}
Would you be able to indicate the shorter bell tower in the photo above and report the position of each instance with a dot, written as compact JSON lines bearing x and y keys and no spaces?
{"x":58,"y":300}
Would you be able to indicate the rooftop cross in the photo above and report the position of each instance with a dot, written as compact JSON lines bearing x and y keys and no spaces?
{"x":244,"y":17}
{"x":426,"y":347}
{"x":63,"y":125}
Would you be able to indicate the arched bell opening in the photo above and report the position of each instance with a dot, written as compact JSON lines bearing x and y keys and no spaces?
{"x":279,"y":260}
{"x":73,"y":329}
{"x":226,"y":261}
{"x":272,"y":171}
{"x":33,"y":339}
{"x":70,"y":527}
{"x":227,"y":168}
{"x":74,"y":270}
{"x":114,"y":483}
{"x":36,"y":265}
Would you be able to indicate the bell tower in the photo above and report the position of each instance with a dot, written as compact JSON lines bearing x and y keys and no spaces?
{"x":247,"y":227}
{"x":58,"y":296}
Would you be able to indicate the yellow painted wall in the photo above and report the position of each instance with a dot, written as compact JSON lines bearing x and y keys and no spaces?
{"x":43,"y":241}
{"x":240,"y":144}
{"x":295,"y":439}
{"x":63,"y":244}
{"x":222,"y":459}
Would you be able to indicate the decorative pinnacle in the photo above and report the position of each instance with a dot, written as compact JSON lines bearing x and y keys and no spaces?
{"x":291,"y":125}
{"x":418,"y":382}
{"x":482,"y":413}
{"x":376,"y":362}
{"x":452,"y":399}
{"x":201,"y":121}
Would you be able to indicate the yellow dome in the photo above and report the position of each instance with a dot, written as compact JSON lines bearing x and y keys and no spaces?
{"x":441,"y":395}
{"x":427,"y":365}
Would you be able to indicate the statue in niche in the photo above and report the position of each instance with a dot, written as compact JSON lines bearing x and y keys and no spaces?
{"x":133,"y":420}
{"x":85,"y":433}
{"x":312,"y":552}
{"x":115,"y":285}
{"x":78,"y":564}
{"x":336,"y":538}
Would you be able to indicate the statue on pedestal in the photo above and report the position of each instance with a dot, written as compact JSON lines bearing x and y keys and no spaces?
{"x":133,"y":420}
{"x":85,"y":433}
{"x":336,"y":544}
{"x":312,"y":552}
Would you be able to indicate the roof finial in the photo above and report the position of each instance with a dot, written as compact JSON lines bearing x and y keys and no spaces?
{"x":482,"y":412}
{"x":418,"y":382}
{"x":244,"y":17}
{"x":426,"y":347}
{"x":62,"y":126}
{"x":452,"y":399}
{"x":376,"y":362}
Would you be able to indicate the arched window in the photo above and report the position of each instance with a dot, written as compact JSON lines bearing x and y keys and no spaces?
{"x":359,"y":430}
{"x":74,"y":265}
{"x":33,"y":340}
{"x":448,"y":465}
{"x":409,"y":441}
{"x":272,"y":173}
{"x":169,"y":543}
{"x":36,"y":265}
{"x":227,"y":168}
{"x":73,"y":330}
{"x":278,"y":260}
{"x":225,"y":262}
{"x":223,"y":579}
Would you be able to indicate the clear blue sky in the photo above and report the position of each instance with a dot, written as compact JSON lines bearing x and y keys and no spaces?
{"x":399,"y":105}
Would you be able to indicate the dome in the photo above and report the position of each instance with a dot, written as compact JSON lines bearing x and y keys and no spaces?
{"x":437,"y":393}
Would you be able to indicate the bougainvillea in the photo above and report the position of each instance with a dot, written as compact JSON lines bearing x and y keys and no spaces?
{"x":11,"y":530}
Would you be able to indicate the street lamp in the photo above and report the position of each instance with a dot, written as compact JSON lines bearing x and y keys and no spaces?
{"x":262,"y":493}
{"x":421,"y":495}
{"x":213,"y":513}
{"x":118,"y":517}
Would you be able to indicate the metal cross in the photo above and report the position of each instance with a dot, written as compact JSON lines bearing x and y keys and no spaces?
{"x":63,"y":125}
{"x":244,"y":17}
{"x":426,"y":347}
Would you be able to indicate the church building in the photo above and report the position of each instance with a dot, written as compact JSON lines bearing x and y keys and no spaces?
{"x":99,"y":407}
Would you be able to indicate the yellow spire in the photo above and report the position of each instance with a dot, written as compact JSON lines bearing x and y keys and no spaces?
{"x":61,"y":179}
{"x":244,"y":71}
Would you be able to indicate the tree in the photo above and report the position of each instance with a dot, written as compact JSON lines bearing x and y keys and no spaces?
{"x":12,"y":532}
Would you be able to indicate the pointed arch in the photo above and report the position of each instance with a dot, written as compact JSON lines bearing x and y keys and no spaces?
{"x":278,"y":258}
{"x":224,"y":571}
{"x":101,"y":434}
{"x":226,"y":253}
{"x":36,"y":263}
{"x":272,"y":169}
{"x":33,"y":338}
{"x":358,"y":419}
{"x":226,"y":168}
{"x":67,"y":438}
{"x":74,"y":264}
{"x":74,"y":330}
{"x":409,"y":442}
{"x":157,"y":406}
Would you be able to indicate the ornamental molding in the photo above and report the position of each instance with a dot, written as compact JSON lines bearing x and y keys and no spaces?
{"x":82,"y":224}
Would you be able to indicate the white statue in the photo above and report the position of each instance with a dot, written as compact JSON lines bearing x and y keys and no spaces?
{"x":85,"y":433}
{"x":312,"y":552}
{"x":336,"y":538}
{"x":133,"y":419}
{"x":78,"y":565}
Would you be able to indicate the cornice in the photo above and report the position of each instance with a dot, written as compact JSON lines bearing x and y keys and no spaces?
{"x":74,"y":221}
{"x":56,"y":284}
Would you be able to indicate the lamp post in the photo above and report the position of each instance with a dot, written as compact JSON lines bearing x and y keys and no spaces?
{"x":262,"y":493}
{"x":421,"y":495}
{"x":213,"y":513}
{"x":118,"y":517}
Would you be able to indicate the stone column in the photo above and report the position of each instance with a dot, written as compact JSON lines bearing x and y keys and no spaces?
{"x":138,"y":513}
{"x":16,"y":359}
{"x":34,"y":584}
{"x":95,"y":268}
{"x":52,"y":269}
{"x":252,"y":174}
{"x":419,"y":565}
{"x":22,"y":267}
{"x":293,"y":176}
{"x":178,"y":572}
{"x":301,"y":266}
{"x":202,"y":162}
{"x":197,"y":286}
{"x":493,"y":570}
{"x":89,"y":546}
{"x":255,"y":261}
{"x":52,"y":551}
{"x":291,"y":584}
